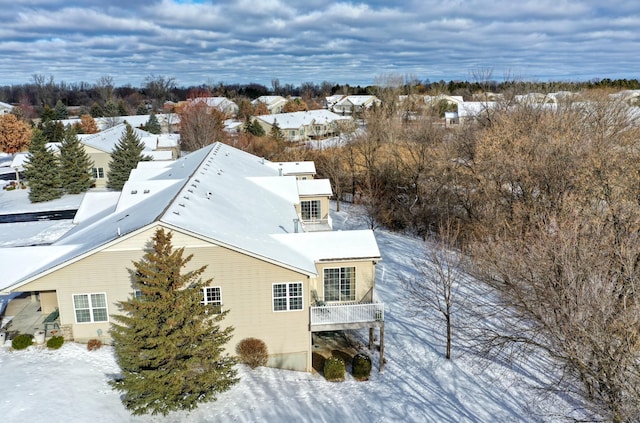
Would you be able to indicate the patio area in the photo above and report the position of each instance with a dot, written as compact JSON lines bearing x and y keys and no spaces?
{"x":23,"y":315}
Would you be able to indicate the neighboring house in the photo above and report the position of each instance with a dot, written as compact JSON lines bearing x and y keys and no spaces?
{"x":236,"y":215}
{"x":223,"y":104}
{"x":433,"y":100}
{"x":333,"y":99}
{"x":100,"y":145}
{"x":303,"y":126}
{"x":471,"y":111}
{"x":5,"y":108}
{"x":350,"y":104}
{"x":534,"y":98}
{"x":168,"y":121}
{"x":274,"y":103}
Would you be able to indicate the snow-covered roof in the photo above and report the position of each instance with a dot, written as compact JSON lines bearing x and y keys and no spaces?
{"x":220,"y":193}
{"x":107,"y":139}
{"x":474,"y":108}
{"x":220,"y":103}
{"x":294,"y":168}
{"x":269,"y":99}
{"x":357,"y":100}
{"x":155,"y":141}
{"x":297,"y":120}
{"x":314,"y":187}
{"x":333,"y":245}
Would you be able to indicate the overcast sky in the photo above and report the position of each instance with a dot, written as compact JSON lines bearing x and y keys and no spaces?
{"x":243,"y":41}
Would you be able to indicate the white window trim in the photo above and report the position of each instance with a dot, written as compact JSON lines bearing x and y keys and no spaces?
{"x":90,"y":308}
{"x":98,"y":172}
{"x":288,"y":309}
{"x":212,"y":303}
{"x":355,"y":283}
{"x":311,"y":209}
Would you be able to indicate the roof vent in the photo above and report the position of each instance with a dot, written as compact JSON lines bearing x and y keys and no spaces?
{"x":176,"y":212}
{"x":209,"y":194}
{"x":146,"y":191}
{"x":134,"y":191}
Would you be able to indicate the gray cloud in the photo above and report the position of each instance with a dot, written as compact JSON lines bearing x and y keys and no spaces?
{"x":338,"y":41}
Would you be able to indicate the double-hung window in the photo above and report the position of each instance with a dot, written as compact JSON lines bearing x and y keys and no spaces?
{"x":90,"y":308}
{"x":212,"y":296}
{"x":340,"y":284}
{"x":287,"y":296}
{"x":97,"y":172}
{"x":310,"y":209}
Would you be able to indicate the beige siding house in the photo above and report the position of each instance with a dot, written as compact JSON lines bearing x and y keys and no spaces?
{"x":280,"y":278}
{"x":303,"y":126}
{"x":275,"y":103}
{"x":100,"y":145}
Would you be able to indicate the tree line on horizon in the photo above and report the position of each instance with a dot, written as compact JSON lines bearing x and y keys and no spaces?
{"x":41,"y":91}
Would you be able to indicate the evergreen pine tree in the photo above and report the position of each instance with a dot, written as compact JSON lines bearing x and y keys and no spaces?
{"x":42,"y":170}
{"x":168,"y":344}
{"x":153,"y":125}
{"x":254,"y":128}
{"x":142,"y":109}
{"x":96,"y":110}
{"x":124,"y":158}
{"x":110,"y":109}
{"x":75,"y":165}
{"x":60,"y":110}
{"x":52,"y":130}
{"x":276,"y":133}
{"x":122,"y":109}
{"x":47,"y":114}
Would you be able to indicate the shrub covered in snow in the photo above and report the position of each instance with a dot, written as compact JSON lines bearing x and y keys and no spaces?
{"x":334,"y":369}
{"x":361,"y":366}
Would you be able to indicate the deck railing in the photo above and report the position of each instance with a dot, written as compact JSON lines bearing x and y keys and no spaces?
{"x":347,"y":313}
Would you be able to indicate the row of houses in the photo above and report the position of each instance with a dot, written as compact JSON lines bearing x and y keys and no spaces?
{"x":262,"y":228}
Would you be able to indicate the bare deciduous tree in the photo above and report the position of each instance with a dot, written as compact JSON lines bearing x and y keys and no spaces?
{"x":440,"y":271}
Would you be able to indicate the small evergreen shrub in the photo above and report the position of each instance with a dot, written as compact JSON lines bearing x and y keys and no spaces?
{"x":94,"y":344}
{"x":22,"y":341}
{"x":334,"y":369}
{"x":252,"y":352}
{"x":361,"y":366}
{"x":55,"y":342}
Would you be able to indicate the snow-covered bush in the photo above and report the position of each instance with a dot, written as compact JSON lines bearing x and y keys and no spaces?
{"x":334,"y":369}
{"x":361,"y":366}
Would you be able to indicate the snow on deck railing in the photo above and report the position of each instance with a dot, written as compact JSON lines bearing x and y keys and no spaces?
{"x":347,"y":313}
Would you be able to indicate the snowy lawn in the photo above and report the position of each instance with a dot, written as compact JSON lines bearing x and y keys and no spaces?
{"x":417,"y":385}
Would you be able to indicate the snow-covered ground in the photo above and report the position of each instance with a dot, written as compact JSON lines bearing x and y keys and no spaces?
{"x":418,"y":384}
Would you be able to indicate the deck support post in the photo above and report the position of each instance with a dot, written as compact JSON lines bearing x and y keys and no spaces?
{"x":370,"y":339}
{"x":381,"y":347}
